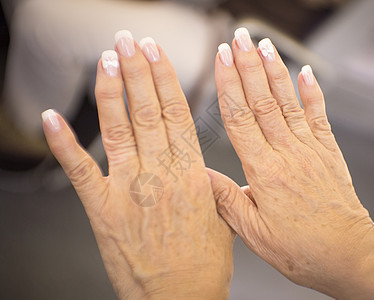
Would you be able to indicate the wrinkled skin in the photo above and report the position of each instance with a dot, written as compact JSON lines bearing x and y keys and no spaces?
{"x":178,"y":248}
{"x":300,"y":212}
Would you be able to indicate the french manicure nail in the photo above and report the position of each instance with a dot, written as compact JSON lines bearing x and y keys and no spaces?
{"x":243,"y":39}
{"x":150,"y":50}
{"x":110,"y":62}
{"x":225,"y":54}
{"x":267,"y":49}
{"x":125,"y":43}
{"x":307,"y":73}
{"x":50,"y":118}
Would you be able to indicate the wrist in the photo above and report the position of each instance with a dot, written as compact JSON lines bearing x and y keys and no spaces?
{"x":358,"y":280}
{"x":204,"y":285}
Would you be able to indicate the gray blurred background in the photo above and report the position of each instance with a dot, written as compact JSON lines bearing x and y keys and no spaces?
{"x":47,"y":249}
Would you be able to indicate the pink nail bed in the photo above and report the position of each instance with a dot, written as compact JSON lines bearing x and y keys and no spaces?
{"x":50,"y":118}
{"x":150,"y":50}
{"x":125,"y":43}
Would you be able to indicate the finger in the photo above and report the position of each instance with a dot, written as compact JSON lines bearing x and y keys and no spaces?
{"x":283,"y":91}
{"x":116,"y":130}
{"x":257,"y":91}
{"x":240,"y":123}
{"x":80,"y":168}
{"x":314,"y":107}
{"x":234,"y":206}
{"x":145,"y":111}
{"x":175,"y":110}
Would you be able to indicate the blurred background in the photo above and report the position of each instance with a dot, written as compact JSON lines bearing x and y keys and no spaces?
{"x":48,"y":55}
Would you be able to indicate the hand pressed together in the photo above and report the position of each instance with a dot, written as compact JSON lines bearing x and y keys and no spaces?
{"x":299,"y":213}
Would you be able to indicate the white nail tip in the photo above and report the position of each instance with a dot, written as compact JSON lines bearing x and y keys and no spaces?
{"x":243,"y":39}
{"x":241,"y":31}
{"x":50,"y":117}
{"x":123,"y":34}
{"x":145,"y":41}
{"x":267,"y":49}
{"x":110,"y":58}
{"x":226,"y":54}
{"x":224,"y":47}
{"x":307,"y":73}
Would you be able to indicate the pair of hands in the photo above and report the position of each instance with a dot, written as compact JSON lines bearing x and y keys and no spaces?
{"x":299,"y":213}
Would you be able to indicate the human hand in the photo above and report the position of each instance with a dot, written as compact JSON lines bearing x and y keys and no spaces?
{"x":300,"y":212}
{"x":178,"y":247}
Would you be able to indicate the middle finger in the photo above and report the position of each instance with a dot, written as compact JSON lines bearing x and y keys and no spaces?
{"x":144,"y":107}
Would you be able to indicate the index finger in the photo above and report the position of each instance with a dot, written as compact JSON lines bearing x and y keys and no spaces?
{"x":180,"y":127}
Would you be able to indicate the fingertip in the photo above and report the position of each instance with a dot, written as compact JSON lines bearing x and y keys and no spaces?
{"x":307,"y":75}
{"x":56,"y":130}
{"x":150,"y":50}
{"x":225,"y":54}
{"x":109,"y":63}
{"x":51,"y":121}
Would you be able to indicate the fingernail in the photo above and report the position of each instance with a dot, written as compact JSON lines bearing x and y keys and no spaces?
{"x":150,"y":50}
{"x":109,"y":60}
{"x":225,"y":54}
{"x":307,"y":73}
{"x":243,"y":39}
{"x":267,"y":49}
{"x":50,"y":118}
{"x":125,"y":43}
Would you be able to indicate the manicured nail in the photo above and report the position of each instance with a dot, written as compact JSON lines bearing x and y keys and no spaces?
{"x":243,"y":39}
{"x":125,"y":43}
{"x":267,"y":49}
{"x":150,"y":50}
{"x":50,"y":118}
{"x":225,"y":54}
{"x":109,"y":60}
{"x":307,"y":73}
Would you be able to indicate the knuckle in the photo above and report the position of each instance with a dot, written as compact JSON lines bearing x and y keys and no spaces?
{"x":320,"y":123}
{"x":81,"y":175}
{"x":252,"y":66}
{"x":118,"y":136}
{"x":290,"y":107}
{"x":226,"y":82}
{"x":293,"y":113}
{"x":138,"y":72}
{"x":315,"y":99}
{"x":108,"y":93}
{"x":164,"y":76}
{"x":176,"y":112}
{"x":237,"y":117}
{"x":264,"y":106}
{"x":148,"y":116}
{"x":281,"y":77}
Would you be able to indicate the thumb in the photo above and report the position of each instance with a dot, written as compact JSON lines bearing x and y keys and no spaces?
{"x":83,"y":172}
{"x":233,"y":203}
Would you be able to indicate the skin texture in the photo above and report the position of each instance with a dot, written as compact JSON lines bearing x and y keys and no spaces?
{"x":300,"y":212}
{"x":178,"y":248}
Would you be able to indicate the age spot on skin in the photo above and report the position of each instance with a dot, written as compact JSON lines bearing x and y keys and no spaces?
{"x":290,"y":265}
